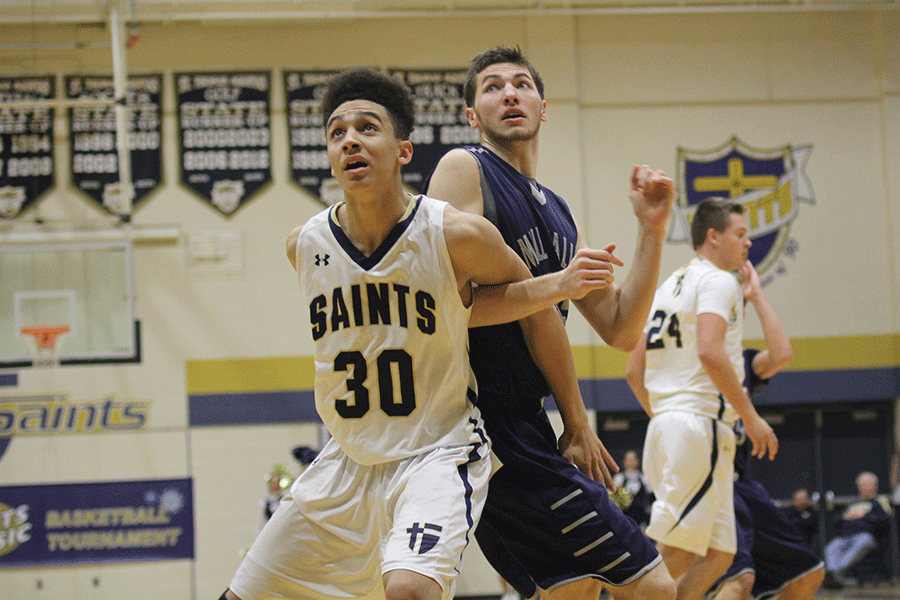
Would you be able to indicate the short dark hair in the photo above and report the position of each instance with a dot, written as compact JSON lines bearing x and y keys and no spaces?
{"x":367,"y":84}
{"x":493,"y":56}
{"x":712,"y":213}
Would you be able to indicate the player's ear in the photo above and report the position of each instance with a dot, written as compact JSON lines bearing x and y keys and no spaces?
{"x":544,"y":111}
{"x":406,"y":152}
{"x":470,"y":115}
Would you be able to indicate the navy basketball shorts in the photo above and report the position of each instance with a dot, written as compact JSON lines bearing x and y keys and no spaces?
{"x":769,"y":545}
{"x":545,"y":523}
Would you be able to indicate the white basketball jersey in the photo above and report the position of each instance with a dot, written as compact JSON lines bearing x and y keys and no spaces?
{"x":392,"y":366}
{"x":674,"y":375}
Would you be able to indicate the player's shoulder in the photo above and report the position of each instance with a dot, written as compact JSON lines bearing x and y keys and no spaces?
{"x":461,"y":224}
{"x":458,"y":158}
{"x":710,"y":274}
{"x":300,"y":232}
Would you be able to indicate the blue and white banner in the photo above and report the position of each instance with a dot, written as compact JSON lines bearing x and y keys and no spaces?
{"x":26,"y":144}
{"x":94,"y":523}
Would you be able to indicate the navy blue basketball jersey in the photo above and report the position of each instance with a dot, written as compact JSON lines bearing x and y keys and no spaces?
{"x":538,"y":225}
{"x":753,"y":383}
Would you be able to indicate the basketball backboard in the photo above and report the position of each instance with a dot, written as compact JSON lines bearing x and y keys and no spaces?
{"x":85,"y":286}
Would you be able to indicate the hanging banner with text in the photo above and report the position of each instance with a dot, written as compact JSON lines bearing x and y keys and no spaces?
{"x":441,"y":122}
{"x":224,"y":132}
{"x":94,"y":523}
{"x":310,"y":168}
{"x":26,"y":143}
{"x":93,"y":139}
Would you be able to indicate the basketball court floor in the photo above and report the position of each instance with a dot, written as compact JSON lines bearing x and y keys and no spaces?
{"x":878,"y":591}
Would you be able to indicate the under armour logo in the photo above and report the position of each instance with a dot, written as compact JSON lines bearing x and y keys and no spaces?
{"x":322,"y":260}
{"x":428,"y":540}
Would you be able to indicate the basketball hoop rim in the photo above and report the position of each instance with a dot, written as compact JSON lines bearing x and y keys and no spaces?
{"x":45,"y":335}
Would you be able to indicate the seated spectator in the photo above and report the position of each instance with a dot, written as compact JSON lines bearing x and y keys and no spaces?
{"x":637,"y":483}
{"x":856,"y":532}
{"x":803,"y":515}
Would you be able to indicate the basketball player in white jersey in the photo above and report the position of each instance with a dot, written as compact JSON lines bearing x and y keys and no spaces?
{"x":394,"y":497}
{"x":686,"y":372}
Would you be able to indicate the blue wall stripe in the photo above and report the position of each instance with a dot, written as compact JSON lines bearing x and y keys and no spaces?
{"x":260,"y":408}
{"x":602,"y":395}
{"x":789,"y":387}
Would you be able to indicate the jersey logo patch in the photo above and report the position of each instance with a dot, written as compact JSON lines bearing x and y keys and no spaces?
{"x":770,"y":183}
{"x":420,"y":535}
{"x":322,"y":260}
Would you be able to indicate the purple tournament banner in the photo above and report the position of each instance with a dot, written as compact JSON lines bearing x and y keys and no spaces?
{"x":94,"y":523}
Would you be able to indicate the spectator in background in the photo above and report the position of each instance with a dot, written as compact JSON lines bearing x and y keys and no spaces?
{"x":856,"y":532}
{"x":278,"y":482}
{"x":895,"y":479}
{"x":639,"y":487}
{"x":803,"y":515}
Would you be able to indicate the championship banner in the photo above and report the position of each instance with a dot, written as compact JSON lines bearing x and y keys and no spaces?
{"x":310,"y":169}
{"x":96,"y":523}
{"x":441,"y":122}
{"x":26,"y":144}
{"x":770,"y":183}
{"x":93,"y":138}
{"x":224,"y":132}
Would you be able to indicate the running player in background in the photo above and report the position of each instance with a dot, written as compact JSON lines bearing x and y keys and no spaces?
{"x":686,"y":373}
{"x":389,"y":283}
{"x":546,"y":524}
{"x":773,"y":557}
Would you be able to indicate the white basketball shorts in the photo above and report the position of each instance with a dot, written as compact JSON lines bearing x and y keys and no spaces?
{"x":344,"y":525}
{"x":689,"y":460}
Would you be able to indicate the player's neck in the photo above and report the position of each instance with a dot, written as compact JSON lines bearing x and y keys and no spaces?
{"x":522,"y":155}
{"x":710,"y":255}
{"x":367,"y":220}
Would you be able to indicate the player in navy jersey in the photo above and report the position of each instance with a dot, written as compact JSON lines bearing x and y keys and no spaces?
{"x":773,"y":557}
{"x":547,"y":523}
{"x":392,"y":283}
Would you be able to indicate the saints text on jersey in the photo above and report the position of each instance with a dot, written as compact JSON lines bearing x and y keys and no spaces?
{"x":383,"y":302}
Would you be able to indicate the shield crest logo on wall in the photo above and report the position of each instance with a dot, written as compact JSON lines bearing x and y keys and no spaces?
{"x":770,"y":184}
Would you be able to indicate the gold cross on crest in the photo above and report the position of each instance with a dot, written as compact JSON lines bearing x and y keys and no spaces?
{"x":735,"y":183}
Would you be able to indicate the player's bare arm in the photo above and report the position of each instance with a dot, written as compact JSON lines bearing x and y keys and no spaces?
{"x":552,"y":354}
{"x":618,"y":314}
{"x":778,"y":352}
{"x":634,"y":374}
{"x":711,"y":351}
{"x":471,"y":239}
{"x":487,"y":271}
{"x":456,"y":180}
{"x":291,"y":246}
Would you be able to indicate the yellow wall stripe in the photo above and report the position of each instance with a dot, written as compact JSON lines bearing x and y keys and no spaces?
{"x":591,"y":362}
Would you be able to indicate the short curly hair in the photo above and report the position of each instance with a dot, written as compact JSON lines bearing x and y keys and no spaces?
{"x":371,"y":85}
{"x":493,"y":56}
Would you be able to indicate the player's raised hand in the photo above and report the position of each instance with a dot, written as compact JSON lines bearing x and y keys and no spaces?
{"x":763,"y":438}
{"x":652,"y":195}
{"x":749,"y":281}
{"x":588,"y":270}
{"x":585,"y":450}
